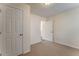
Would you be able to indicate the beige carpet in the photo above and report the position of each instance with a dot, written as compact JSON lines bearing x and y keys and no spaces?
{"x":46,"y":48}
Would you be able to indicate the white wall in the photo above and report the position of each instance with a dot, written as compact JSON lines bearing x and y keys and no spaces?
{"x":47,"y":29}
{"x":35,"y":28}
{"x":66,"y":28}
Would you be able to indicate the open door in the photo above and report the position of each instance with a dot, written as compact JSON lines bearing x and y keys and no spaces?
{"x":47,"y":30}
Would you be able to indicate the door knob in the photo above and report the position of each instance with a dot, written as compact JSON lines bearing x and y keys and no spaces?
{"x":21,"y":34}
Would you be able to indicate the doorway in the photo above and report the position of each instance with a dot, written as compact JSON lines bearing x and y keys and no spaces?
{"x":47,"y":29}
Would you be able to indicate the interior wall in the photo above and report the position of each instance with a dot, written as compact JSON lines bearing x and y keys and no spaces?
{"x":35,"y":28}
{"x":47,"y":29}
{"x":66,"y":28}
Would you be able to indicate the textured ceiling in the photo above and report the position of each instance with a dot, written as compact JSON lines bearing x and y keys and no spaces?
{"x":52,"y":9}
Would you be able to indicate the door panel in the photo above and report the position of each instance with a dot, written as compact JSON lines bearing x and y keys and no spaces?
{"x":13,"y":32}
{"x":19,"y":32}
{"x":16,"y":31}
{"x":8,"y":30}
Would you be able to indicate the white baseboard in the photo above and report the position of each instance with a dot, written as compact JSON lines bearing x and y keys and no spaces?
{"x":36,"y":42}
{"x":73,"y":46}
{"x":27,"y":51}
{"x":47,"y":39}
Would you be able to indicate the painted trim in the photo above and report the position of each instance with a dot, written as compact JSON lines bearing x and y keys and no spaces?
{"x":67,"y":45}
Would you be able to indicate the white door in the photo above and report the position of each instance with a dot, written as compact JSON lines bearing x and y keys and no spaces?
{"x":11,"y":31}
{"x":47,"y":30}
{"x":19,"y":31}
{"x":14,"y":34}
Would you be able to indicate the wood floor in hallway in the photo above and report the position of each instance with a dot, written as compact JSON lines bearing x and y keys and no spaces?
{"x":46,"y":48}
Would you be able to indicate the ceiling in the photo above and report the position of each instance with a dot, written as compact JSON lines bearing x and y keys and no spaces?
{"x":52,"y":9}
